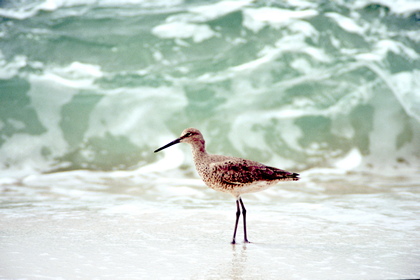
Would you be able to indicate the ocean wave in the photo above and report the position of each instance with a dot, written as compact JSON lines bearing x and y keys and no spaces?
{"x":399,"y":7}
{"x":297,"y":85}
{"x":255,"y":19}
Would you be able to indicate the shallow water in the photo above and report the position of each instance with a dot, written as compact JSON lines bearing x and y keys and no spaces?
{"x":127,"y":225}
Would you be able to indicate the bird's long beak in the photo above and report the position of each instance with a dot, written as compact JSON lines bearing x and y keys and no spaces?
{"x":176,"y":141}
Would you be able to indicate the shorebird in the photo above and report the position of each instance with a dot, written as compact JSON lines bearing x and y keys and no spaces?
{"x":231,"y":174}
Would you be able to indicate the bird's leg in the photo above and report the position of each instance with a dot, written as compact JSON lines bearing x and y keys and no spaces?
{"x":238,"y":213}
{"x":244,"y":215}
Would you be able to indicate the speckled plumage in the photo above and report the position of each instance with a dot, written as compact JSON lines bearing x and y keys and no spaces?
{"x":230,"y":174}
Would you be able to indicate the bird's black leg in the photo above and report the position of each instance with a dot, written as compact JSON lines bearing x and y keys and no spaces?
{"x":238,"y":213}
{"x":244,"y":215}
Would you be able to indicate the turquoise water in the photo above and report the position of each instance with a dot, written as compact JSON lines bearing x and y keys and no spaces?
{"x":89,"y":89}
{"x":99,"y":84}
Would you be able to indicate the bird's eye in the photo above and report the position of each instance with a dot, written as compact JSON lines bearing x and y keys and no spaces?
{"x":188,"y":134}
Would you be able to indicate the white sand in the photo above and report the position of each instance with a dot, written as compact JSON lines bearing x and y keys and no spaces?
{"x":115,"y":232}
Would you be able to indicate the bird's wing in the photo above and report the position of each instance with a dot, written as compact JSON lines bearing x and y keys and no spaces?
{"x":246,"y":171}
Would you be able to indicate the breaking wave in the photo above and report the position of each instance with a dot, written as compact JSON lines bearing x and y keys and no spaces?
{"x":100,"y":84}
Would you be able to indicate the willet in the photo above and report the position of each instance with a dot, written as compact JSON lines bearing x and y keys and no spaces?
{"x":231,"y":174}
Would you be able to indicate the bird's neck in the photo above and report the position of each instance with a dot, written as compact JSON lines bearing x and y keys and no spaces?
{"x":199,"y":149}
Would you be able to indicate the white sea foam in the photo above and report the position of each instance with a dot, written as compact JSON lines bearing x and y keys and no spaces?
{"x":182,"y":30}
{"x":304,"y":28}
{"x":69,"y":81}
{"x":351,"y":161}
{"x":407,"y":90}
{"x":346,"y":23}
{"x":72,"y":76}
{"x":204,"y":13}
{"x":257,"y":18}
{"x":135,"y":120}
{"x":402,"y":7}
{"x":384,"y":46}
{"x":23,"y":153}
{"x":302,"y":4}
{"x":26,"y":150}
{"x":11,"y":69}
{"x":218,"y":9}
{"x":173,"y":158}
{"x":404,"y":84}
{"x":32,"y":9}
{"x":292,"y":43}
{"x":17,"y":14}
{"x":77,"y":70}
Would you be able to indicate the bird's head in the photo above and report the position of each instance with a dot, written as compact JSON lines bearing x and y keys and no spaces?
{"x":190,"y":135}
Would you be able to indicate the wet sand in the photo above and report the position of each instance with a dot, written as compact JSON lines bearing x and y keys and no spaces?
{"x":103,"y":227}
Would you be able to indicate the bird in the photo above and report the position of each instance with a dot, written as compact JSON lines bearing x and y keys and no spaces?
{"x":229,"y":174}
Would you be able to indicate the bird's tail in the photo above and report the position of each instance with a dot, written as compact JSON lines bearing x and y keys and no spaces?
{"x":283,"y":175}
{"x":294,"y":176}
{"x":289,"y":176}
